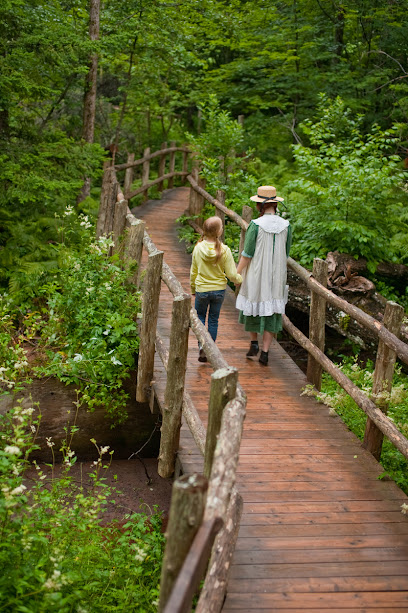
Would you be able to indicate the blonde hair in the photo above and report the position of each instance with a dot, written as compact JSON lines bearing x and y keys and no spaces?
{"x":212,"y":229}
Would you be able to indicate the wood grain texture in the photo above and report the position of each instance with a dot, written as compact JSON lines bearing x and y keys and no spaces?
{"x":319,"y":531}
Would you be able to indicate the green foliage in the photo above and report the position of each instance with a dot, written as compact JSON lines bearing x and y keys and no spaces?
{"x":81,"y":317}
{"x":349,"y":194}
{"x":394,"y":463}
{"x":56,"y":555}
{"x":216,"y":146}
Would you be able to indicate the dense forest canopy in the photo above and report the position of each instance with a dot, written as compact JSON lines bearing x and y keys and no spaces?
{"x":322,"y":86}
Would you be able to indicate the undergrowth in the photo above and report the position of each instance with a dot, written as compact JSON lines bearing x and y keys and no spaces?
{"x":56,"y":554}
{"x":81,"y":319}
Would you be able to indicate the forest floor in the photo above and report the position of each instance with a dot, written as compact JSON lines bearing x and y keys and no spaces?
{"x":137,"y":488}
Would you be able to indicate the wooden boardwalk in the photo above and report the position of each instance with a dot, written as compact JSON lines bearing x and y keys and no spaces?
{"x":319,"y":531}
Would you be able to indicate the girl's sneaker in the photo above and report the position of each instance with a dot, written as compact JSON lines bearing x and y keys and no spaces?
{"x":202,"y":357}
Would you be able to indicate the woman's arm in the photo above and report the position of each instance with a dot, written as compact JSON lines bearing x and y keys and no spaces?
{"x":243,"y":263}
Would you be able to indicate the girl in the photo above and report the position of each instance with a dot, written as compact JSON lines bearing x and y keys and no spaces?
{"x":212,"y":264}
{"x":263,"y":294}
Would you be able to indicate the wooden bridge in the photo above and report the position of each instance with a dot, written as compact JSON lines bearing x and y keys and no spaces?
{"x":319,"y":531}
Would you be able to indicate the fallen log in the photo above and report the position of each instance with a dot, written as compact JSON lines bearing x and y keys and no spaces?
{"x":371,"y":302}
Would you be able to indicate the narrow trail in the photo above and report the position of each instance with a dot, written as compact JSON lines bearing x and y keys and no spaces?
{"x":319,"y":531}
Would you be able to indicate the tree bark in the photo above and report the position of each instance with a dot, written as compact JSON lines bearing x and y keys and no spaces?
{"x":88,"y":125}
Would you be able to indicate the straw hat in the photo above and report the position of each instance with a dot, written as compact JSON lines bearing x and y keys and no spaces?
{"x":266,"y":193}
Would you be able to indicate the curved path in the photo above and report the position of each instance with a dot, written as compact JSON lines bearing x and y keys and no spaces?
{"x":319,"y":531}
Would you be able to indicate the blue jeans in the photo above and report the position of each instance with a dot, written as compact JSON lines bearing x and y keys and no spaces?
{"x":211,"y":302}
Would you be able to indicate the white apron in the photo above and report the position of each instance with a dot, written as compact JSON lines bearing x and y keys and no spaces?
{"x":264,"y":291}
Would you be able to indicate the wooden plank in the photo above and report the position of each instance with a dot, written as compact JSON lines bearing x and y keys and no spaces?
{"x":350,"y":600}
{"x":314,"y":556}
{"x":327,"y":569}
{"x":321,"y":518}
{"x":316,"y":542}
{"x":316,"y":529}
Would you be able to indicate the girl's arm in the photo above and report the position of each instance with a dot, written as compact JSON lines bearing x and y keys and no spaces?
{"x":230,"y":268}
{"x":193,"y":273}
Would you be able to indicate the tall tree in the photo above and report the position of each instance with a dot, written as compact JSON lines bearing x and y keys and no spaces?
{"x":88,"y":127}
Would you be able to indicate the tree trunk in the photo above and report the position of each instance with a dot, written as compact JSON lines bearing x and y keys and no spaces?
{"x":88,"y":125}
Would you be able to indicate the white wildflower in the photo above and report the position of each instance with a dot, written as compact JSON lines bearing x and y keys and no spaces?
{"x":108,"y":286}
{"x":29,"y":411}
{"x":32,"y":429}
{"x":105,"y":449}
{"x":18,"y":490}
{"x":11,"y":450}
{"x":78,"y":357}
{"x":116,"y":361}
{"x":404,"y":508}
{"x":69,"y":210}
{"x":49,"y":441}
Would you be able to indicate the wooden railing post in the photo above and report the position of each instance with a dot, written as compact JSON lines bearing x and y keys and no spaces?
{"x":151,"y":294}
{"x":162,"y":167}
{"x":199,"y":203}
{"x":193,"y":193}
{"x":194,"y":566}
{"x":172,"y":165}
{"x":247,"y":214}
{"x":220,"y":195}
{"x":119,"y":223}
{"x":173,"y":396}
{"x":185,"y":165}
{"x":145,"y":174}
{"x":127,"y":185}
{"x":107,"y":180}
{"x":317,"y":322}
{"x":185,"y":517}
{"x":215,"y":585}
{"x":382,"y":380}
{"x":133,"y":247}
{"x":111,"y":206}
{"x":223,"y":388}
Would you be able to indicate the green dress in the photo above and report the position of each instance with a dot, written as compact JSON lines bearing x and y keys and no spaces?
{"x":258,"y":324}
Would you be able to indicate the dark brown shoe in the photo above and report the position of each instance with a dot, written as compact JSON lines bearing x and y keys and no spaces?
{"x":263,"y":358}
{"x":202,"y":357}
{"x":253,"y":350}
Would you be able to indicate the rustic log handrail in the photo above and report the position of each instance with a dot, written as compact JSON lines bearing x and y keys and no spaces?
{"x":373,"y":324}
{"x":149,"y":157}
{"x":193,"y":568}
{"x":143,"y":188}
{"x":360,"y":398}
{"x":383,"y":423}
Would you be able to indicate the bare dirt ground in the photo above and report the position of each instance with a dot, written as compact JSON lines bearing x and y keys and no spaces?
{"x":138,"y":487}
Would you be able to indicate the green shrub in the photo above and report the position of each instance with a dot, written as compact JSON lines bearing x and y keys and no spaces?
{"x":82,"y":319}
{"x":55,"y":554}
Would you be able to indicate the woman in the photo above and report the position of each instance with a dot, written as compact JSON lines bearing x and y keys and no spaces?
{"x":263,"y":294}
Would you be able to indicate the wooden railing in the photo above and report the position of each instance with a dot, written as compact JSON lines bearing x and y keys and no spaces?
{"x":209,"y":507}
{"x":390,"y":346}
{"x":203,"y":508}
